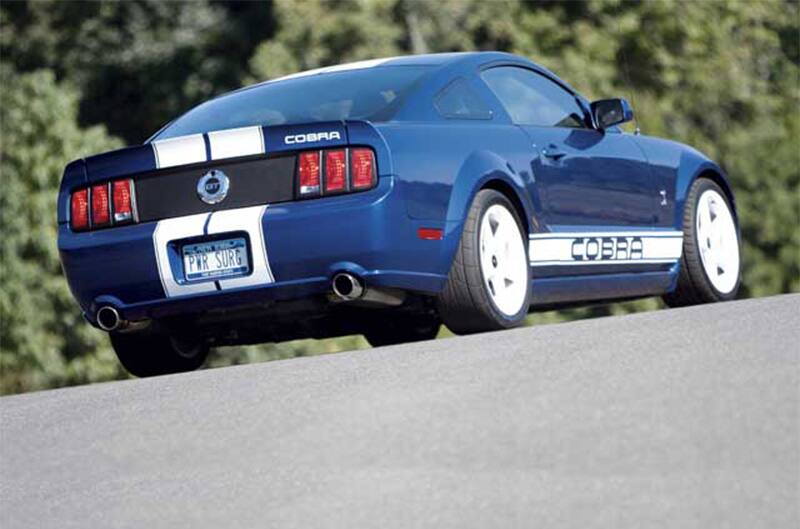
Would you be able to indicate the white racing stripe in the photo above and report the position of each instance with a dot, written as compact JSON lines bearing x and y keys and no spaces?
{"x":605,"y":248}
{"x":358,"y":65}
{"x":231,"y":143}
{"x":231,"y":220}
{"x":179,"y":151}
{"x":170,"y":230}
{"x":249,"y":220}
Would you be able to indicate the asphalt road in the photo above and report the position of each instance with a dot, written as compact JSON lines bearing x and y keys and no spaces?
{"x":677,"y":418}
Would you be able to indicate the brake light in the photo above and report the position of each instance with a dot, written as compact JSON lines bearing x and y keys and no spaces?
{"x":123,"y":201}
{"x":363,"y":168}
{"x":103,"y":205}
{"x":101,"y":214}
{"x":308,"y":170}
{"x":335,"y":171}
{"x":79,"y":209}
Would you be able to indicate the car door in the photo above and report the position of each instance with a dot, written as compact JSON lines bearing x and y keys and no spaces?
{"x":585,"y":178}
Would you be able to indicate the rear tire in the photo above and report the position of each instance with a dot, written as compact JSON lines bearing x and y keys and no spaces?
{"x":488,"y":287}
{"x":147,"y":354}
{"x":710,"y":266}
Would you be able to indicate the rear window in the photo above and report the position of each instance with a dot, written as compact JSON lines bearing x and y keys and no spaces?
{"x":370,"y":93}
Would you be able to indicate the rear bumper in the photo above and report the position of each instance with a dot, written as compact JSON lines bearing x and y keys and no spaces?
{"x":303,"y":245}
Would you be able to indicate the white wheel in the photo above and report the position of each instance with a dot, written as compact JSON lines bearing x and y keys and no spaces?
{"x":503,"y":260}
{"x":718,"y":241}
{"x":710,"y":265}
{"x":489,"y":283}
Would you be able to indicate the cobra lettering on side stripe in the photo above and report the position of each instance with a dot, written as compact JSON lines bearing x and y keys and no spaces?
{"x":231,"y":220}
{"x":598,"y":248}
{"x":232,"y":143}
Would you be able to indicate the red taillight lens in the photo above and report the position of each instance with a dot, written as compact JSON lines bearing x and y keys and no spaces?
{"x":430,"y":234}
{"x":79,"y":210}
{"x":362,"y":168}
{"x":101,"y":207}
{"x":335,"y":171}
{"x":122,"y":191}
{"x":308,"y":171}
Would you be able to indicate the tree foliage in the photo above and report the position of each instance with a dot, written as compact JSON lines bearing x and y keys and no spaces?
{"x":723,"y":76}
{"x":43,"y":338}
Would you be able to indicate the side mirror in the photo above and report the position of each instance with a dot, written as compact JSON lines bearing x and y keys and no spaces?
{"x":609,"y":112}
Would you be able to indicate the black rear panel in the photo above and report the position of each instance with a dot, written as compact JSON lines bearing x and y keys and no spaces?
{"x":173,"y":192}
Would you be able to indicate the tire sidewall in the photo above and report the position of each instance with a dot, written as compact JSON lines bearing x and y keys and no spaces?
{"x":708,"y":289}
{"x":484,"y":200}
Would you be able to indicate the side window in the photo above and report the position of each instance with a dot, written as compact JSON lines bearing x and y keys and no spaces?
{"x":532,"y":99}
{"x":458,"y":101}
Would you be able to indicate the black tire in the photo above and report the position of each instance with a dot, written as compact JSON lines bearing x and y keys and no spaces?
{"x":402,"y":330}
{"x":465,"y":304}
{"x":694,"y":286}
{"x":149,"y":354}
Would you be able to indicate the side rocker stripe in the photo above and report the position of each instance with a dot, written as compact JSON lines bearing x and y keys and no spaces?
{"x":605,"y":248}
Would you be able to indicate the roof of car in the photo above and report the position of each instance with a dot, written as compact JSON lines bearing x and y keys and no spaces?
{"x":431,"y":59}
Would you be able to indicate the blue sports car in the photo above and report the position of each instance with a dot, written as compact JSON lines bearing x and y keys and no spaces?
{"x":385,"y":198}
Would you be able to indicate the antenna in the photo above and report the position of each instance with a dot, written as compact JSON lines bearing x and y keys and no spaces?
{"x":626,"y":74}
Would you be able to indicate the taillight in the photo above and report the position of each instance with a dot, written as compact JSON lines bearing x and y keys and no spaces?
{"x":362,"y":168}
{"x":308,"y":172}
{"x":79,"y":210}
{"x":123,"y":201}
{"x":335,"y":171}
{"x":101,"y":214}
{"x":103,"y":205}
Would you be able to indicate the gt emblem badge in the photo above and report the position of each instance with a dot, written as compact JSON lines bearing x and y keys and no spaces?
{"x":212,"y":187}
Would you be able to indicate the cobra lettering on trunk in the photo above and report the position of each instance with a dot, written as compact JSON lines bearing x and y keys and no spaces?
{"x":312,"y":137}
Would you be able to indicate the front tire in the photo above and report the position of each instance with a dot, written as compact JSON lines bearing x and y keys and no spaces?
{"x":710,"y":267}
{"x":488,"y":287}
{"x":146,"y":354}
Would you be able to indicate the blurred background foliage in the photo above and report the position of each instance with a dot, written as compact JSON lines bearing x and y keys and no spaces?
{"x":80,"y":78}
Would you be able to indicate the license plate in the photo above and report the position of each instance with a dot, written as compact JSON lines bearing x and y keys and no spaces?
{"x":215,"y":259}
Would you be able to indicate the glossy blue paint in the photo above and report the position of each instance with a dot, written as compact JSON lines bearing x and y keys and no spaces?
{"x":430,"y":168}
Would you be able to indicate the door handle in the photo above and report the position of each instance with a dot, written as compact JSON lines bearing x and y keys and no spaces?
{"x":553,"y":152}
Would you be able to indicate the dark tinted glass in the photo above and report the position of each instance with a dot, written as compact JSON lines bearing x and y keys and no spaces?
{"x":458,"y":101}
{"x":532,"y":99}
{"x":367,"y":93}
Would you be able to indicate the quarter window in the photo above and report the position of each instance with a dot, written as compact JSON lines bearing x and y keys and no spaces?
{"x":532,"y":99}
{"x":458,"y":101}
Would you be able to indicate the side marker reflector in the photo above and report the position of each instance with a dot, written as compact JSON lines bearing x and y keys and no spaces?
{"x":430,"y":234}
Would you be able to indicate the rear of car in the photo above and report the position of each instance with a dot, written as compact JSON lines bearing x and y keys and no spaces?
{"x":245,"y":202}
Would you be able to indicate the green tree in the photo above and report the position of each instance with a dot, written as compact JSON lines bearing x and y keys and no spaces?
{"x":44,"y":341}
{"x":315,"y":33}
{"x":139,"y":63}
{"x":723,"y":76}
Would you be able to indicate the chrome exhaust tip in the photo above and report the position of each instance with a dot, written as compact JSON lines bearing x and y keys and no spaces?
{"x":347,"y":287}
{"x":108,"y":319}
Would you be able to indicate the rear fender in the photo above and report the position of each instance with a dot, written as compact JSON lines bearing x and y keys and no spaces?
{"x":480,"y":170}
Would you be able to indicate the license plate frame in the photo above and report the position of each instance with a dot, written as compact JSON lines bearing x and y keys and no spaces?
{"x":212,"y":260}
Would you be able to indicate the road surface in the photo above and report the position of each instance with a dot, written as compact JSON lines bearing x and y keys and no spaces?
{"x":677,"y":418}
